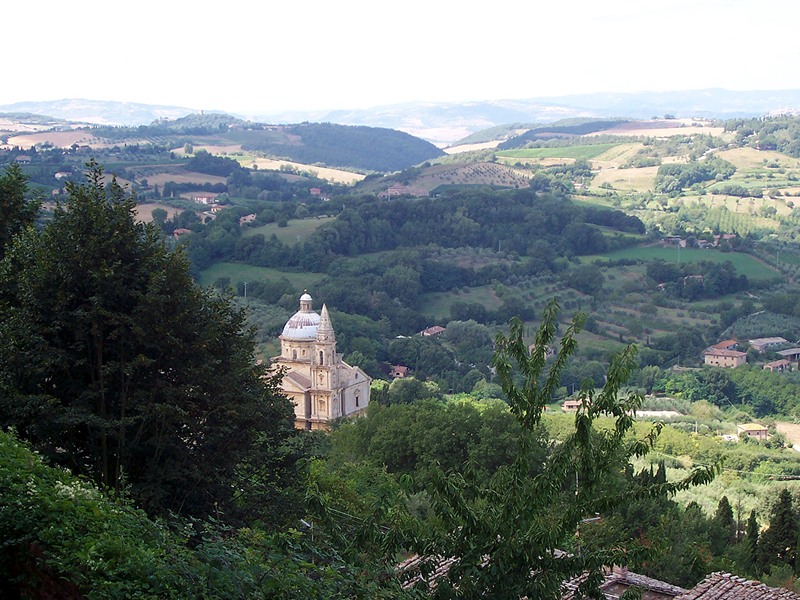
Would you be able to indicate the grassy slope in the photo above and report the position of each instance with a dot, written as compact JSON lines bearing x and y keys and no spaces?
{"x":239,"y":272}
{"x":297,"y":230}
{"x":745,"y":264}
{"x":574,"y":152}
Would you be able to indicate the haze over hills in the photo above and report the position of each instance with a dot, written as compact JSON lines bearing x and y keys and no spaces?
{"x":445,"y":123}
{"x":99,"y":112}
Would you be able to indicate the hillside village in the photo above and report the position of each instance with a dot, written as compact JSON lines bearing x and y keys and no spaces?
{"x":631,"y":276}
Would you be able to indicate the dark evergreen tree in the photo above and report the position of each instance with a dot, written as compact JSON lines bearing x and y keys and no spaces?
{"x":16,"y":211}
{"x":116,"y":365}
{"x":723,"y":527}
{"x":778,"y":544}
{"x":661,"y":473}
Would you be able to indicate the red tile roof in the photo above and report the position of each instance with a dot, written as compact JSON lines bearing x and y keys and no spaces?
{"x":725,"y":344}
{"x":724,"y":586}
{"x":719,"y":352}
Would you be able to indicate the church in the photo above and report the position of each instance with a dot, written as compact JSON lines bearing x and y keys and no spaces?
{"x":319,"y":383}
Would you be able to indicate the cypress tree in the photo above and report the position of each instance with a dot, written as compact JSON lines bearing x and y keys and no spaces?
{"x":751,"y":537}
{"x":778,"y":543}
{"x":722,"y":527}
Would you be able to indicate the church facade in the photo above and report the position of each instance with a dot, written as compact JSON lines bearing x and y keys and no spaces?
{"x":319,"y":383}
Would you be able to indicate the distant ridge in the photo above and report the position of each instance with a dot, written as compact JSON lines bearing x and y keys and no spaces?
{"x":99,"y":112}
{"x":446,"y":122}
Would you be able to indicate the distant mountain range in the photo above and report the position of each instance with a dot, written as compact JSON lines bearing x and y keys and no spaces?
{"x":444,"y":123}
{"x":99,"y":112}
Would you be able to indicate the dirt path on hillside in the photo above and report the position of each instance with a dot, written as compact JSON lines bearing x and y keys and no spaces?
{"x":790,"y":430}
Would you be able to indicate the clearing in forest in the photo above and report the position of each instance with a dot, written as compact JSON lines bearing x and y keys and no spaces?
{"x":745,"y":264}
{"x":296,"y":231}
{"x":240,"y":272}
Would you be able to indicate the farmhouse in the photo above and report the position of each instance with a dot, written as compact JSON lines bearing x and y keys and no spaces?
{"x":761,"y":344}
{"x":398,"y":372}
{"x":726,"y":345}
{"x":549,"y":351}
{"x":673,"y":240}
{"x":571,"y":405}
{"x":725,"y":237}
{"x":433,"y":330}
{"x":392,"y":191}
{"x":727,"y":359}
{"x":778,"y":366}
{"x":752,"y":430}
{"x":203,"y":198}
{"x":247,"y":219}
{"x":319,"y":383}
{"x":792,"y":354}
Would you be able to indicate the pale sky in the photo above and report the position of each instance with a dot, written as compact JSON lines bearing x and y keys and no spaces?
{"x":266,"y":56}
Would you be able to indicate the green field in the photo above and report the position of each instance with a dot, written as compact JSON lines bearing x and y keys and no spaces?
{"x":576,"y":152}
{"x":296,"y":231}
{"x":437,"y":304}
{"x":745,"y":264}
{"x":241,"y":272}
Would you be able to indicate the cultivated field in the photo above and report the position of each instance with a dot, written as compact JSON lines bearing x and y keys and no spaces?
{"x":472,"y":147}
{"x":328,"y":174}
{"x":61,"y":139}
{"x":750,"y":158}
{"x":743,"y":206}
{"x":573,"y":152}
{"x":144,"y":212}
{"x":661,"y":128}
{"x":161,"y":175}
{"x":635,"y":180}
{"x":223,"y":149}
{"x":616,"y":156}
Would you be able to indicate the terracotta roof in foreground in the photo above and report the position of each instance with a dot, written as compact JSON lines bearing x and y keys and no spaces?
{"x":724,"y":586}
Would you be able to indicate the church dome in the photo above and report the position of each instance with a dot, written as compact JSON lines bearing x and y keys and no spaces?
{"x":303,"y":324}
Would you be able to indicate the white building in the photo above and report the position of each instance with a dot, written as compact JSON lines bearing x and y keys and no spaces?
{"x":319,"y":383}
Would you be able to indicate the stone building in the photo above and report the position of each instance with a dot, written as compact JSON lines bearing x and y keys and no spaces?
{"x":727,"y":359}
{"x":319,"y":383}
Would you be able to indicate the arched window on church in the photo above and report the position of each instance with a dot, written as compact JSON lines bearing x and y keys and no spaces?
{"x":321,"y":358}
{"x":357,"y":399}
{"x":294,"y":354}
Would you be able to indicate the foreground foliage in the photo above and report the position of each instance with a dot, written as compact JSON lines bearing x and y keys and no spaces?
{"x":64,"y":538}
{"x":507,"y":531}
